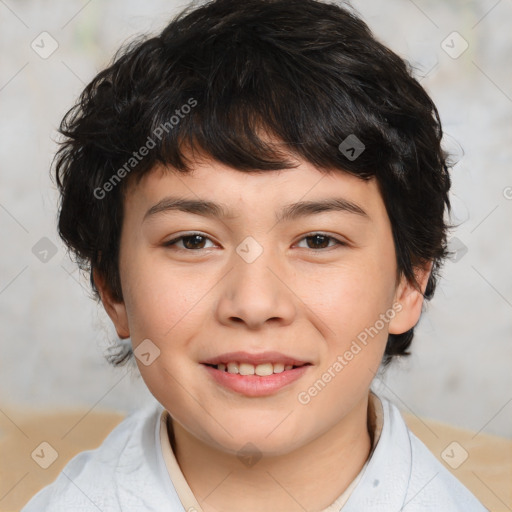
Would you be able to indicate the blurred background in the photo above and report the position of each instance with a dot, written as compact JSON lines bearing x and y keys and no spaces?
{"x":53,"y":336}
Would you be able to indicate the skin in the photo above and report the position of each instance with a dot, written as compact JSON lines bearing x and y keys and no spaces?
{"x":305,"y":299}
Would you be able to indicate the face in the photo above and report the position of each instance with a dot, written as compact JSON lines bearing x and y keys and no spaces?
{"x":256,"y":321}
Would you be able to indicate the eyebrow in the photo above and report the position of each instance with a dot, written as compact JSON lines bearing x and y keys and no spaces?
{"x":291,"y":211}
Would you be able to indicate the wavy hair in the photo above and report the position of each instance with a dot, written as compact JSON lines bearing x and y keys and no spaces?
{"x":306,"y":72}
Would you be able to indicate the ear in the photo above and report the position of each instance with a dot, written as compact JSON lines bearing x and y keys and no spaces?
{"x":116,"y":310}
{"x":410,"y":298}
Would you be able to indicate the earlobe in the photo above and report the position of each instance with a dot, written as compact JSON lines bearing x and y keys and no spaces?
{"x":410,"y":298}
{"x":116,"y":310}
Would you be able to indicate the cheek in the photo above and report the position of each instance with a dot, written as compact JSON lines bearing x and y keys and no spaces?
{"x":348,"y":299}
{"x":164,"y":306}
{"x":350,"y":308}
{"x":161,"y":299}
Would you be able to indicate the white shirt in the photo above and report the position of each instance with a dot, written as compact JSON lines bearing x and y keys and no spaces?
{"x":135,"y":470}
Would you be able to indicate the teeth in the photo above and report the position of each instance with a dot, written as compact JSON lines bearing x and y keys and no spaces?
{"x":262,"y":370}
{"x":232,"y":367}
{"x":246,"y":369}
{"x":278,"y":367}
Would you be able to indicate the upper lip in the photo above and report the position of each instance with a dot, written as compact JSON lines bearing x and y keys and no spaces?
{"x":254,"y":359}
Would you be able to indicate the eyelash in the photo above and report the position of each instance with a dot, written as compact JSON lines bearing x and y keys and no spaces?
{"x":173,"y":242}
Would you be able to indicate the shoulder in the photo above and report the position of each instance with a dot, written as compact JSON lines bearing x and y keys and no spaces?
{"x":403,"y":475}
{"x":431,"y":486}
{"x":101,"y":479}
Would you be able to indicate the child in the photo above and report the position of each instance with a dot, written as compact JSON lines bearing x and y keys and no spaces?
{"x":305,"y":163}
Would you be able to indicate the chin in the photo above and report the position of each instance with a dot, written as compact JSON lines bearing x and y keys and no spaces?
{"x":249,"y":440}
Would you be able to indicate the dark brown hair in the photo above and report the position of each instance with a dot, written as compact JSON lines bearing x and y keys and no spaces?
{"x":309,"y":73}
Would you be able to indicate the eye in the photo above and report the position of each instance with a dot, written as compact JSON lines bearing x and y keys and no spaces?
{"x":191,"y":242}
{"x":321,"y":241}
{"x":196,"y":241}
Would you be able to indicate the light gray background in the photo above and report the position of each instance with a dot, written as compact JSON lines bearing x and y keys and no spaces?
{"x":52,"y":335}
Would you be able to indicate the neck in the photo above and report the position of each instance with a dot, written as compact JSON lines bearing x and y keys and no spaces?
{"x":309,"y":478}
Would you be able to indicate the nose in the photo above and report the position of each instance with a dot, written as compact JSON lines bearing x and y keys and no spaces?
{"x":257,"y":293}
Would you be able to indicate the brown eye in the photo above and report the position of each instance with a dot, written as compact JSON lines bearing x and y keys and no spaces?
{"x":317,"y":241}
{"x":192,"y":242}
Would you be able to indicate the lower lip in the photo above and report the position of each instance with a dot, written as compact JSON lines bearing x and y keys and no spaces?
{"x":254,"y":385}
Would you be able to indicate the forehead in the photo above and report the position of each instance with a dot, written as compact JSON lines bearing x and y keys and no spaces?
{"x":232,"y":192}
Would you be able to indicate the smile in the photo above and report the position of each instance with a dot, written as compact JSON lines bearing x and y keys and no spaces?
{"x":255,"y":375}
{"x":262,"y":370}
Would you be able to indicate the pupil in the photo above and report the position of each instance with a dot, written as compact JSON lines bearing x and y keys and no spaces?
{"x":316,"y":237}
{"x":194,"y":239}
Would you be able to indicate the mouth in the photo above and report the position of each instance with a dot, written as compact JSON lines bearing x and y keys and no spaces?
{"x":255,"y":375}
{"x":261,"y":370}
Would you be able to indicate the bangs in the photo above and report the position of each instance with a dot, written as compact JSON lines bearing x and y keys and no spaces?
{"x":245,"y":102}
